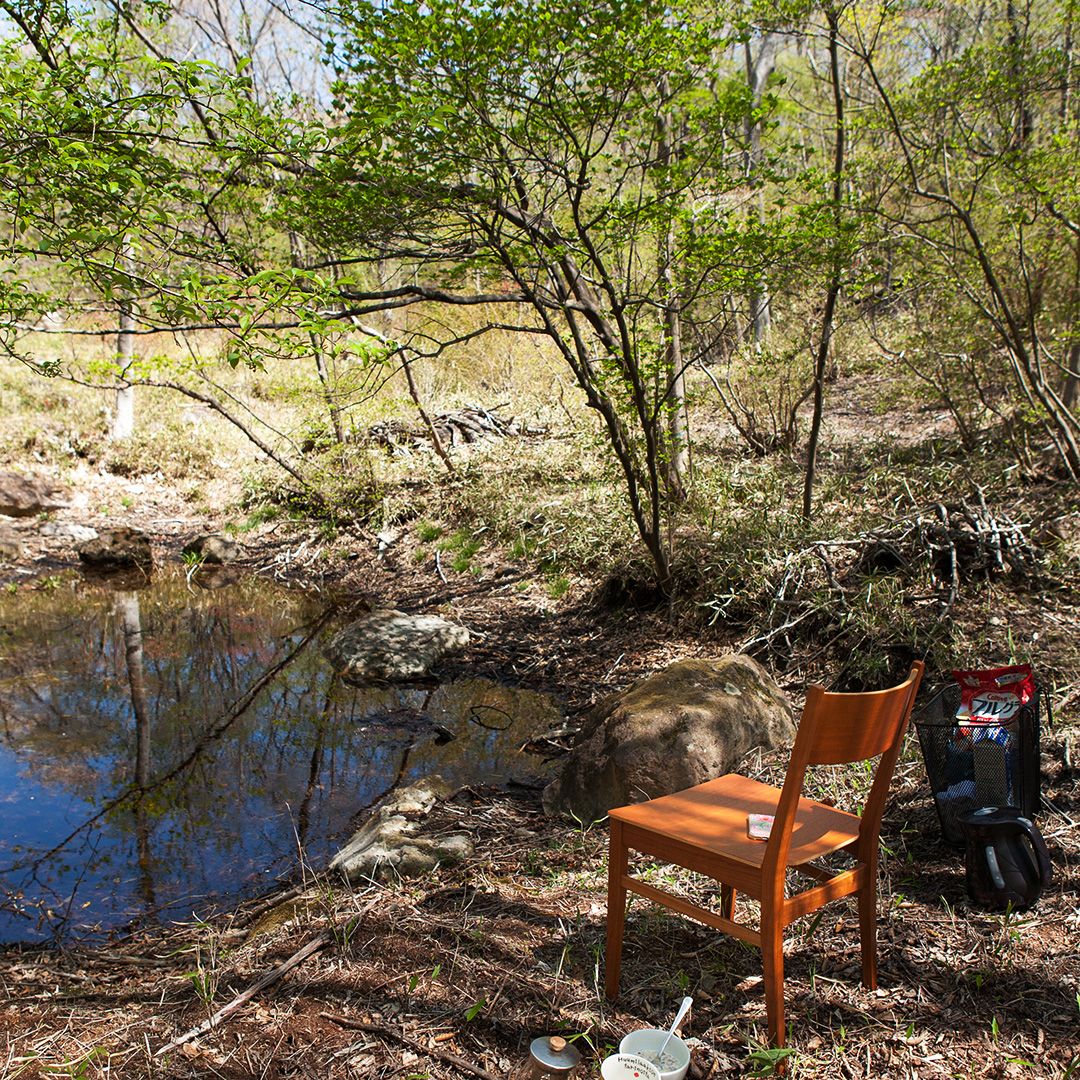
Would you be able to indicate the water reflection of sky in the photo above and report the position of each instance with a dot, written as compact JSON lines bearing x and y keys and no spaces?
{"x":233,"y":802}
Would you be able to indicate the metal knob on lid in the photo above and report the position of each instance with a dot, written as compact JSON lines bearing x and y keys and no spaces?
{"x":552,"y":1056}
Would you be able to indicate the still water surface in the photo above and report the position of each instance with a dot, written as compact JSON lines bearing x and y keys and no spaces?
{"x":166,"y":750}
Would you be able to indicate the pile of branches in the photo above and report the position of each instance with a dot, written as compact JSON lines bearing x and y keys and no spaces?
{"x":457,"y":428}
{"x":941,"y":545}
{"x":957,"y":542}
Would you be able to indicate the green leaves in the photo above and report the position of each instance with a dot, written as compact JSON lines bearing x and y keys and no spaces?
{"x":127,"y":176}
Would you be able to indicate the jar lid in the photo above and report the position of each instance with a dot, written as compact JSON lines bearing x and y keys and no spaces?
{"x":554,"y":1052}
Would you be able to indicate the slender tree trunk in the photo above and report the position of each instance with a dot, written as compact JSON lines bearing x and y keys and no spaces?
{"x":123,"y":421}
{"x":1070,"y":384}
{"x":757,"y":75}
{"x":414,"y":393}
{"x":1067,"y":82}
{"x":837,"y":266}
{"x":1024,"y":122}
{"x":678,"y":445}
{"x":678,"y":427}
{"x":1070,"y":390}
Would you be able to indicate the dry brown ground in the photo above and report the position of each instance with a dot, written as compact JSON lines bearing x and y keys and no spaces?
{"x":452,"y":976}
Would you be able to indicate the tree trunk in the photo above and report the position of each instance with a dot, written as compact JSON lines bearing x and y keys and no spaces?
{"x":757,"y":75}
{"x":1070,"y":389}
{"x":123,"y":421}
{"x":837,"y":266}
{"x":678,"y":428}
{"x":675,"y":384}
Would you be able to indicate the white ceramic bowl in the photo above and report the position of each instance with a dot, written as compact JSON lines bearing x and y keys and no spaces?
{"x":645,"y":1040}
{"x":628,"y":1067}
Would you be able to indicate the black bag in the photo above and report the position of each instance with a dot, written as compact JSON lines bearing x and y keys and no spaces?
{"x":1006,"y":858}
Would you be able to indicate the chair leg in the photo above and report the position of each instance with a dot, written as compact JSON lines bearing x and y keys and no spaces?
{"x":616,"y":910}
{"x":772,"y":955}
{"x":727,"y":901}
{"x":868,"y":932}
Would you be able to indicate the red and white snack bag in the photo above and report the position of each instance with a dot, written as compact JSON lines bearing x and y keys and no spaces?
{"x":993,"y":697}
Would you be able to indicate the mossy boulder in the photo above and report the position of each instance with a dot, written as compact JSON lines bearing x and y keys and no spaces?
{"x":392,"y":646}
{"x":119,"y":547}
{"x":689,"y":723}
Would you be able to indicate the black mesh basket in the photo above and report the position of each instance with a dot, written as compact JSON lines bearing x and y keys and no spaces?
{"x":979,"y":763}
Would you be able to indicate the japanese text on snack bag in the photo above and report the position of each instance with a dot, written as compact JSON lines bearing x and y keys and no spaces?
{"x":993,"y":697}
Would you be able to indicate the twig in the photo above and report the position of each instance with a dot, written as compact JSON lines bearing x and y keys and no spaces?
{"x":297,"y":958}
{"x":766,"y":638}
{"x":311,"y":947}
{"x":954,"y":568}
{"x":1057,"y":810}
{"x":378,"y":1029}
{"x":1068,"y":697}
{"x":994,"y":531}
{"x":277,"y":900}
{"x":830,"y":575}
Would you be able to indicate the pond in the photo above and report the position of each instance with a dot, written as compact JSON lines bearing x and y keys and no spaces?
{"x":173,"y":749}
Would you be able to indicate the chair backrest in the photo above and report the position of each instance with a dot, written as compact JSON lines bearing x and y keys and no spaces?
{"x":837,"y":729}
{"x":845,"y":728}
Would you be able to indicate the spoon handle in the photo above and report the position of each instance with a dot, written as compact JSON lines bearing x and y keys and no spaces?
{"x":684,"y":1008}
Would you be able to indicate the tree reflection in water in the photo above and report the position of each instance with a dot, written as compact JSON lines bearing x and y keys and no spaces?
{"x":127,"y":607}
{"x":167,"y":750}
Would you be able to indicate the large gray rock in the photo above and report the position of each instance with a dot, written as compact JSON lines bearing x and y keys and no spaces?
{"x":687,"y":724}
{"x":10,"y":546}
{"x":25,"y":496}
{"x":393,"y":646}
{"x":67,"y":531}
{"x":213,"y":549}
{"x":391,"y":844}
{"x":117,"y":547}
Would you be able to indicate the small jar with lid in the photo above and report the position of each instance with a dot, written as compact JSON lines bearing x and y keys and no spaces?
{"x":553,"y":1058}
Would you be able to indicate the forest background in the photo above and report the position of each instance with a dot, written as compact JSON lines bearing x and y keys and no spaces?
{"x":785,"y":296}
{"x":651,"y":204}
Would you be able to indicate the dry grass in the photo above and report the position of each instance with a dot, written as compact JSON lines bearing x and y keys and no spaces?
{"x":452,"y":976}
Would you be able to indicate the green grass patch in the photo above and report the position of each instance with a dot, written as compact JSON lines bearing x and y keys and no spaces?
{"x":428,"y":532}
{"x":556,"y":585}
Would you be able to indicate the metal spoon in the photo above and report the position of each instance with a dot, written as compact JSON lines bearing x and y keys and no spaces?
{"x":684,"y":1008}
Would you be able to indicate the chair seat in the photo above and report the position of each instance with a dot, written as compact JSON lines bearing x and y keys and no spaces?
{"x":712,"y":816}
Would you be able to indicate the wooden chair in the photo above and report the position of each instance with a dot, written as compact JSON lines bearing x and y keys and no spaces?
{"x":704,"y":829}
